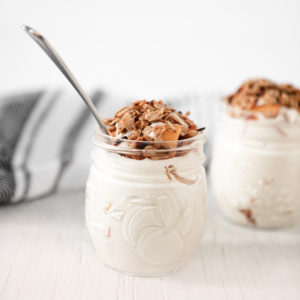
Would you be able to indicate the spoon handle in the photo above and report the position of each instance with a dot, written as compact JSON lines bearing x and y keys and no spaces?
{"x":58,"y":61}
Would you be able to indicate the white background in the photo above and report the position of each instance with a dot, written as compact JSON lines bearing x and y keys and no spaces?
{"x":151,"y":49}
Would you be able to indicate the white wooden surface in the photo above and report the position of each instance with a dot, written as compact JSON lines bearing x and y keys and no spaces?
{"x":45,"y":254}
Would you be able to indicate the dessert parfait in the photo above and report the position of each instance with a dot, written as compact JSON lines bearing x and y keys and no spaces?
{"x":255,"y":171}
{"x":146,"y":192}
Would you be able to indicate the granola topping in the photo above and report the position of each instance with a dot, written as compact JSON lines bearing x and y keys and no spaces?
{"x":265,"y":97}
{"x":151,"y":121}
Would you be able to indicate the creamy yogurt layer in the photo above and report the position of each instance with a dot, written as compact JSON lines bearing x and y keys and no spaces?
{"x":146,"y":217}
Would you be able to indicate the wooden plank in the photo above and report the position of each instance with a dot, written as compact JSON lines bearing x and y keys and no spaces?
{"x":45,"y":253}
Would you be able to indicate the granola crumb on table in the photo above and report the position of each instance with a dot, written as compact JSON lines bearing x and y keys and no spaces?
{"x":151,"y":121}
{"x":264,"y":96}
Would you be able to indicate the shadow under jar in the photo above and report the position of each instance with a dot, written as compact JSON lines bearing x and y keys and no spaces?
{"x":255,"y":172}
{"x":145,"y":209}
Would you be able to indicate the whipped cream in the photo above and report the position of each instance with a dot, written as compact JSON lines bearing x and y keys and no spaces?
{"x":146,"y":217}
{"x":255,"y":172}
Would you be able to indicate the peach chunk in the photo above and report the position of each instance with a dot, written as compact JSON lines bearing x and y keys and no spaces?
{"x":269,"y":110}
{"x":170,"y":134}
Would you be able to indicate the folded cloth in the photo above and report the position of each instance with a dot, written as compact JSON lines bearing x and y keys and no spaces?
{"x":39,"y":140}
{"x":45,"y":139}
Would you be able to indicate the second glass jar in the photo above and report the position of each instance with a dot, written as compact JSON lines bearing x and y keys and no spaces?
{"x":255,"y":172}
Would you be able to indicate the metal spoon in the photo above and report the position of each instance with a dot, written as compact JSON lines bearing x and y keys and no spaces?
{"x":49,"y":50}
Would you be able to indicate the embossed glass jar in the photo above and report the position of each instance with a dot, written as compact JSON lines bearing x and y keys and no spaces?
{"x":146,"y":216}
{"x":255,"y":172}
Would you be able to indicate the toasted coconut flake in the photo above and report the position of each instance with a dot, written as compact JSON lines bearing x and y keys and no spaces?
{"x":153,"y":116}
{"x":119,"y":113}
{"x":127,"y":121}
{"x":158,"y":104}
{"x":177,"y":119}
{"x":134,"y":135}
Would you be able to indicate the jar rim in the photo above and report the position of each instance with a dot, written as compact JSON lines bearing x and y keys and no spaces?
{"x":121,"y":145}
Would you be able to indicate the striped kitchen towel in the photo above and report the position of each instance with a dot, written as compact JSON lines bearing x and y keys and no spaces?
{"x":45,"y":139}
{"x":45,"y":142}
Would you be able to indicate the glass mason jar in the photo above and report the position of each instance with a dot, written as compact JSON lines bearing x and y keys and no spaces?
{"x":255,"y":172}
{"x":146,"y":216}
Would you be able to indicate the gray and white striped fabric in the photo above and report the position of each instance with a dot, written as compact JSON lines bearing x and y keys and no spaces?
{"x":45,"y":139}
{"x":40,"y":151}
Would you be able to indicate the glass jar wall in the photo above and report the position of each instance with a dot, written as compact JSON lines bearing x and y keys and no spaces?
{"x":146,"y":216}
